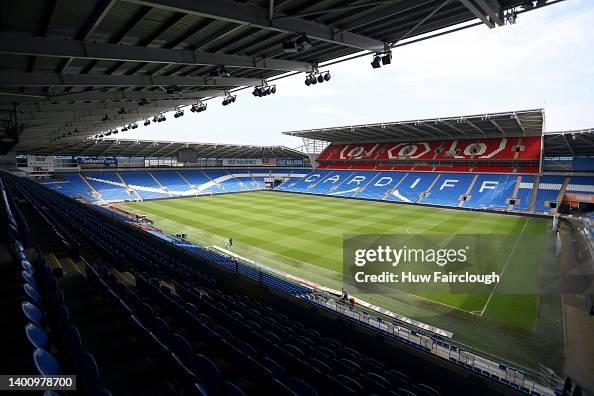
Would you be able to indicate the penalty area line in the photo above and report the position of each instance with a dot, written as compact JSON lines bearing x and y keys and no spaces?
{"x":511,"y":253}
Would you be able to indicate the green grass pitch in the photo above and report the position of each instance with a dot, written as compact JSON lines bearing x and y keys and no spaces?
{"x":302,"y":235}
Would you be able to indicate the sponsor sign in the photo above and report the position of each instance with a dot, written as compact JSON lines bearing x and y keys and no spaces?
{"x":242,"y":162}
{"x":40,"y":163}
{"x":97,"y":162}
{"x":577,"y":197}
{"x":290,"y":162}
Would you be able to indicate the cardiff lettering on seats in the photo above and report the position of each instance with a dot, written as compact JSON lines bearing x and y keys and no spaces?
{"x":488,"y":185}
{"x":448,"y":183}
{"x":383,"y":181}
{"x":312,"y":178}
{"x":357,"y":179}
{"x":333,"y":179}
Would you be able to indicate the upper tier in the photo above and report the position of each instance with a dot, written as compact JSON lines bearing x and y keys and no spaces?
{"x":488,"y":149}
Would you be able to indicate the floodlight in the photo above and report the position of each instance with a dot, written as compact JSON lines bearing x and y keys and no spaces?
{"x":376,"y":63}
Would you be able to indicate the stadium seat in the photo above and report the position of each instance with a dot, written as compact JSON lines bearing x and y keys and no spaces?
{"x":32,"y":294}
{"x":181,"y":347}
{"x":74,"y":342}
{"x":29,"y":279}
{"x":300,"y":387}
{"x":404,"y":392}
{"x":274,"y":367}
{"x":230,"y":389}
{"x":88,"y":370}
{"x":36,"y":336}
{"x":32,"y":313}
{"x":425,"y":390}
{"x":209,"y":372}
{"x":46,"y":364}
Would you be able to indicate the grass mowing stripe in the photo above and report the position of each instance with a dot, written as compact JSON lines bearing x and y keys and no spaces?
{"x":304,"y":232}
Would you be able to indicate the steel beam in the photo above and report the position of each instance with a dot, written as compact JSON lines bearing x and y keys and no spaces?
{"x":488,"y":11}
{"x":494,"y":9}
{"x":111,"y":96}
{"x":243,"y":14}
{"x":11,"y":79}
{"x":42,"y":110}
{"x":51,"y":47}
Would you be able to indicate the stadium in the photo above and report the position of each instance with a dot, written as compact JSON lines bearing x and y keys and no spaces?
{"x":449,"y":255}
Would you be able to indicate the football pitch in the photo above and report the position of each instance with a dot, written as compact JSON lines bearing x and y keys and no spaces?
{"x":303,"y":235}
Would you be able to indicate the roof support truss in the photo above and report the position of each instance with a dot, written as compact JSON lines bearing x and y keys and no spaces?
{"x":489,"y":12}
{"x":50,"y":47}
{"x":8,"y":79}
{"x":243,"y":14}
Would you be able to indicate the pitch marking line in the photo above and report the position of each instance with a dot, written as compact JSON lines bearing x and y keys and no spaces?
{"x":511,"y":253}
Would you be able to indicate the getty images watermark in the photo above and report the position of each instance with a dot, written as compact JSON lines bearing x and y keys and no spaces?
{"x":403,"y":256}
{"x":444,"y":264}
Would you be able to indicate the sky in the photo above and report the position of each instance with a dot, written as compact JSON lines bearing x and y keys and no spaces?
{"x":545,"y":60}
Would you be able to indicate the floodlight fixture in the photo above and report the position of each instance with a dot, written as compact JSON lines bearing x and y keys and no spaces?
{"x":376,"y":62}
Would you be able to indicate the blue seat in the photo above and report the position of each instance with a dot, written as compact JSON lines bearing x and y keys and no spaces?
{"x":132,"y":299}
{"x":161,"y":329}
{"x":301,"y":388}
{"x":27,"y":266}
{"x":166,"y":290}
{"x":32,"y":313}
{"x":89,"y":371}
{"x":36,"y":336}
{"x":191,"y":308}
{"x":45,"y":363}
{"x":230,"y":389}
{"x":276,"y":369}
{"x":351,"y":383}
{"x":74,"y":341}
{"x":294,"y":351}
{"x":208,"y":371}
{"x":206,"y":320}
{"x":63,"y":315}
{"x":223,"y":332}
{"x":396,"y":378}
{"x":339,"y":387}
{"x":181,"y":347}
{"x":425,"y":390}
{"x":28,"y":277}
{"x":32,"y":294}
{"x":404,"y":392}
{"x":319,"y":365}
{"x":199,"y":390}
{"x":145,"y":312}
{"x":246,"y":348}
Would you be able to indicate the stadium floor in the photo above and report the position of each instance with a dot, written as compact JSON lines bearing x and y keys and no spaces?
{"x":302,"y":235}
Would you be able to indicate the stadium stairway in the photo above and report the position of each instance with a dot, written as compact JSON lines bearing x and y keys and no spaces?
{"x":93,"y":191}
{"x":561,"y":193}
{"x":533,"y":193}
{"x":127,"y":187}
{"x":515,"y":191}
{"x":161,"y":186}
{"x":185,"y":179}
